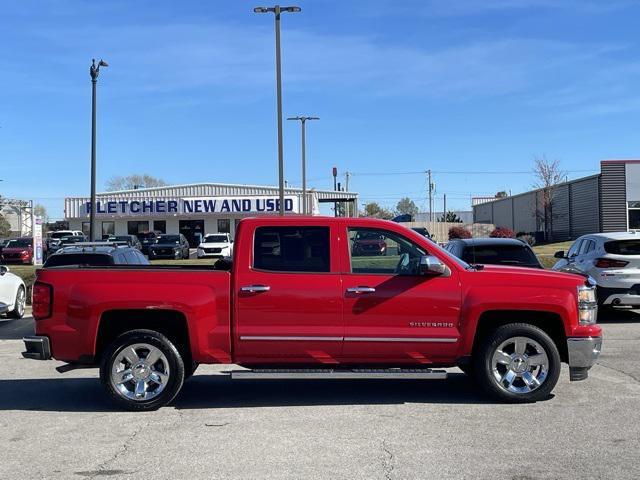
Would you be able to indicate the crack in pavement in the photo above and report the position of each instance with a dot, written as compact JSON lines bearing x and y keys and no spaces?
{"x":619,"y":371}
{"x":387,"y":462}
{"x":102,"y":468}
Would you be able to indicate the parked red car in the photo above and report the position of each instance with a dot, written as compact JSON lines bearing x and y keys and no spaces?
{"x":18,"y":250}
{"x":295,"y":303}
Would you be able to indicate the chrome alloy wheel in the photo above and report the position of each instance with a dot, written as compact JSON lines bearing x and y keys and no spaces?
{"x":21,"y":300}
{"x":520,"y":365}
{"x":140,"y":372}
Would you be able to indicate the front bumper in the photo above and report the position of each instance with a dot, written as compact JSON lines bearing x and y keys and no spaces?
{"x":38,"y":348}
{"x":583,"y":353}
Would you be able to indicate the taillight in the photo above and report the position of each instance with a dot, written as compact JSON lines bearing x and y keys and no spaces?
{"x":41,"y":301}
{"x":610,"y":263}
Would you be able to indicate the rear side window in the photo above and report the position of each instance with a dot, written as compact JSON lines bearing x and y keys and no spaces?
{"x":623,"y":247}
{"x":291,"y":249}
{"x":500,"y":255}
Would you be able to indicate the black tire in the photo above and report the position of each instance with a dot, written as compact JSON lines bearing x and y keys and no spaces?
{"x":486,"y":376}
{"x":172,"y":355}
{"x":19,"y":304}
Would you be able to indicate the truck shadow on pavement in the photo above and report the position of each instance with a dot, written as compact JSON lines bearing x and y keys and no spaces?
{"x":219,"y":391}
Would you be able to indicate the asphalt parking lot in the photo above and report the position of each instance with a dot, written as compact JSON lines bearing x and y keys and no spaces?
{"x":62,"y":426}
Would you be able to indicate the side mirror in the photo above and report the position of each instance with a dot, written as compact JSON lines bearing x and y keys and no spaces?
{"x":559,"y":254}
{"x":3,"y":269}
{"x":431,"y":265}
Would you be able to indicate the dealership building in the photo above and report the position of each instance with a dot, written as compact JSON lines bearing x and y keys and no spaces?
{"x":193,"y":210}
{"x":605,"y":202}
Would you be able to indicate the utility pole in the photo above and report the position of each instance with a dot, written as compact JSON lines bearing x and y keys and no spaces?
{"x":430,"y":195}
{"x":444,"y":208}
{"x":335,"y":188}
{"x":277,"y":10}
{"x":94,"y":70}
{"x":346,"y":187}
{"x":303,"y":122}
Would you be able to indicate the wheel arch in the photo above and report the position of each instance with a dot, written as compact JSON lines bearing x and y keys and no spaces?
{"x":171,"y":323}
{"x":549,"y":322}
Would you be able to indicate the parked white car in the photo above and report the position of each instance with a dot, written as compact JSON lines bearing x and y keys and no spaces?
{"x":612,"y":260}
{"x":13,"y":293}
{"x":215,"y":245}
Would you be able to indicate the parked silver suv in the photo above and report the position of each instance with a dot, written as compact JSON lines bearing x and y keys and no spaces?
{"x":612,"y":260}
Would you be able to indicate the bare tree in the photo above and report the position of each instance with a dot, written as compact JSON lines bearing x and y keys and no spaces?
{"x":548,"y":175}
{"x":133,"y":181}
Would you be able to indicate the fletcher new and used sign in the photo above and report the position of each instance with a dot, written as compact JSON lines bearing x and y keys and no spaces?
{"x":192,"y":205}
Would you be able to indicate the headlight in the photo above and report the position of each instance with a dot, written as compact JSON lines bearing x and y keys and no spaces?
{"x":587,"y":305}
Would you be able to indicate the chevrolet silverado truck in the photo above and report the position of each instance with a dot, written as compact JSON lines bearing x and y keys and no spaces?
{"x":295,"y":302}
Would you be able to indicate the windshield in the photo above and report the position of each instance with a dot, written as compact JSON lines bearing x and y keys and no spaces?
{"x":215,"y":239}
{"x":59,"y":234}
{"x":71,"y":239}
{"x":20,"y":243}
{"x":500,"y":255}
{"x":120,"y":238}
{"x":78,"y":259}
{"x":146,"y":235}
{"x":169,"y":239}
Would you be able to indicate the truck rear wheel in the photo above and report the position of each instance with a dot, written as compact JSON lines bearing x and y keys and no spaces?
{"x":518,"y":363}
{"x":142,"y":370}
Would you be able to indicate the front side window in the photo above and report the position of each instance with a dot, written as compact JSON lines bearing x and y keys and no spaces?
{"x":573,"y":251}
{"x":383,"y":252}
{"x":292,"y":249}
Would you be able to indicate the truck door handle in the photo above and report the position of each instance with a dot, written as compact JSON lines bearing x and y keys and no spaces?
{"x":255,"y":288}
{"x":360,"y":290}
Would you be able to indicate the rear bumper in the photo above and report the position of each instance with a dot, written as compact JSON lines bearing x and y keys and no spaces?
{"x":37,"y":348}
{"x":619,"y":296}
{"x":583,"y":354}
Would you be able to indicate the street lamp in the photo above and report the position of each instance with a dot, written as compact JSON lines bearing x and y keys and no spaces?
{"x":94,"y":70}
{"x":277,"y":10}
{"x":303,"y":122}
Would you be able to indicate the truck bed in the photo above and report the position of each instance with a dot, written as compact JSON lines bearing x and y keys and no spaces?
{"x":85,"y":296}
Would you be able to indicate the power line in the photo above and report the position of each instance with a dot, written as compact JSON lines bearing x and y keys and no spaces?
{"x":461,"y":172}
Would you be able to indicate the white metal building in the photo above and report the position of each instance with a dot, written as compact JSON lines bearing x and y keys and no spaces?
{"x":193,"y":210}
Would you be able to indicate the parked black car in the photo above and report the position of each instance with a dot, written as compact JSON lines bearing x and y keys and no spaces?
{"x":147,"y":239}
{"x":96,"y":255}
{"x":494,"y":251}
{"x":129,"y":240}
{"x":169,"y":246}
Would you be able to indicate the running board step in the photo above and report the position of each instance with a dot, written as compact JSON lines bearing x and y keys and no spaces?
{"x":327,"y":373}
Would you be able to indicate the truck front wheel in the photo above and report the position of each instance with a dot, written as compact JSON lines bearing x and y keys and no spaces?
{"x":517,"y":363}
{"x":142,"y":370}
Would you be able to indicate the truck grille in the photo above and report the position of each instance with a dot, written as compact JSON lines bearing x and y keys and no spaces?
{"x":213,"y":250}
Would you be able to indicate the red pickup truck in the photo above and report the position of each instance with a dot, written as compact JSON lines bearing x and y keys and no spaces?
{"x":295,"y":302}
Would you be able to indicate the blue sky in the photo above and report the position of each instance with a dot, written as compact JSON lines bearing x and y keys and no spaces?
{"x":400,"y":86}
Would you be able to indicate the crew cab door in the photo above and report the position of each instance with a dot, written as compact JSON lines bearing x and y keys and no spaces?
{"x":288,"y":295}
{"x":392,"y":313}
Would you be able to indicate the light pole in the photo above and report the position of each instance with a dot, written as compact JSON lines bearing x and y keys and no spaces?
{"x":94,"y":70}
{"x":277,"y":10}
{"x":303,"y":122}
